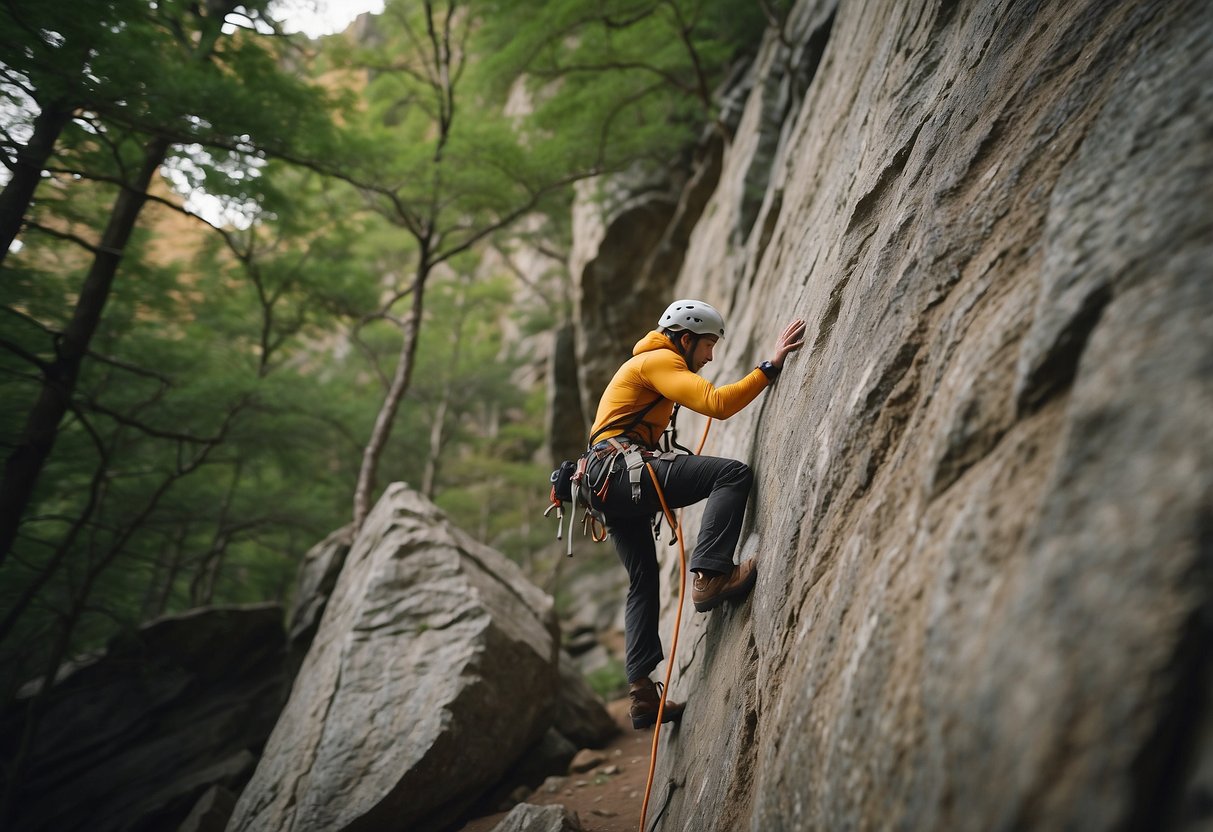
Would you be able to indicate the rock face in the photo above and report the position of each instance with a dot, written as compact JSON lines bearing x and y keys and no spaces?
{"x":984,"y":489}
{"x":434,"y":668}
{"x":134,"y":737}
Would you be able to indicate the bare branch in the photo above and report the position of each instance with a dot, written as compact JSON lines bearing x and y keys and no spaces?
{"x":684,"y":32}
{"x":373,"y":359}
{"x":616,"y":111}
{"x":401,"y":14}
{"x":48,"y":569}
{"x":24,"y":377}
{"x":32,"y":321}
{"x":560,"y":257}
{"x":131,"y":368}
{"x":65,"y":235}
{"x":337,"y":425}
{"x":558,"y":71}
{"x":463,"y":53}
{"x":626,"y":22}
{"x":25,"y":355}
{"x":526,"y":281}
{"x":121,"y":418}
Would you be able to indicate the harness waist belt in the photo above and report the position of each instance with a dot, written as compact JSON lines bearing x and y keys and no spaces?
{"x":607,"y":447}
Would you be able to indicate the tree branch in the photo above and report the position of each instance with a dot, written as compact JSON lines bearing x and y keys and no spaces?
{"x":558,"y":71}
{"x":65,"y":235}
{"x":526,"y":281}
{"x":25,"y":355}
{"x":684,"y":32}
{"x":131,"y":368}
{"x":52,"y":566}
{"x":121,"y":418}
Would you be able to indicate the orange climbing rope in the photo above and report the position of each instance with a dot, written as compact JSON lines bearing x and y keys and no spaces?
{"x":676,"y":526}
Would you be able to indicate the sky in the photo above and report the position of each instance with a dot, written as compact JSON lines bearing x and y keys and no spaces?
{"x":322,"y":17}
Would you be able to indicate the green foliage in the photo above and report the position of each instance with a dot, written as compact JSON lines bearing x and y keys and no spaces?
{"x":609,"y":681}
{"x":626,"y":80}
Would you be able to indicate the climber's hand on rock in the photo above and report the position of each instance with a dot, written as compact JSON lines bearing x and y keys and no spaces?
{"x":790,"y":340}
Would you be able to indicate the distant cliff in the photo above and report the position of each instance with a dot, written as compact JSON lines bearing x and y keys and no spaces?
{"x":984,"y":490}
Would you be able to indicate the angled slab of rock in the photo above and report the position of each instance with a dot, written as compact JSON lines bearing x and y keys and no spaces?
{"x":314,"y":585}
{"x":435,"y":666}
{"x":527,"y":817}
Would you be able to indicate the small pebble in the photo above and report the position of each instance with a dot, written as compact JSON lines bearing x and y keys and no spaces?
{"x":609,"y":770}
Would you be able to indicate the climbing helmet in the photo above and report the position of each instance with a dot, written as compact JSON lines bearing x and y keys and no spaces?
{"x":692,"y":316}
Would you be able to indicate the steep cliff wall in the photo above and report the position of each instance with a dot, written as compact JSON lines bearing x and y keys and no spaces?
{"x":984,"y":490}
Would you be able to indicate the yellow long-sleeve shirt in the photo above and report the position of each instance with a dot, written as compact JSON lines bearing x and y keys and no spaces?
{"x":656,"y":369}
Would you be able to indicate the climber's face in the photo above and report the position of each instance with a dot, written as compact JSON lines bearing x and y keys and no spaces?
{"x":701,"y":354}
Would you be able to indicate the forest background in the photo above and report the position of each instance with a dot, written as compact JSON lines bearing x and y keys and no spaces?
{"x":248,"y":278}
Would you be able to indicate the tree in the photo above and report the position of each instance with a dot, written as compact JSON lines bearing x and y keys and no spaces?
{"x":195,"y":93}
{"x":452,"y":170}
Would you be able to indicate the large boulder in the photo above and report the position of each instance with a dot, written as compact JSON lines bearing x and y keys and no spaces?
{"x":434,"y":668}
{"x":983,"y":490}
{"x":132,"y":738}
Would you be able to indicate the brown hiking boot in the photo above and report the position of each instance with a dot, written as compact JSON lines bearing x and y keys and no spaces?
{"x":710,"y":591}
{"x":646,"y":696}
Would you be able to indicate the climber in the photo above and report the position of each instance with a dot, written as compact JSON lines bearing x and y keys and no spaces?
{"x":632,"y":415}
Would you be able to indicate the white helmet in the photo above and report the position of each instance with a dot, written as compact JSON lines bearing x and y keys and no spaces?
{"x":692,"y":316}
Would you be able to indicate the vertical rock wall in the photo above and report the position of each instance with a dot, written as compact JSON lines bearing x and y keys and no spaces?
{"x":984,"y":490}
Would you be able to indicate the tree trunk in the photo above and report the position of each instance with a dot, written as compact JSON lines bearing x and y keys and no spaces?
{"x":43,"y":576}
{"x":202,"y":587}
{"x":24,"y":464}
{"x":429,"y":476}
{"x":491,"y":430}
{"x":429,"y":479}
{"x":27,"y":173}
{"x":161,"y":588}
{"x":401,"y":379}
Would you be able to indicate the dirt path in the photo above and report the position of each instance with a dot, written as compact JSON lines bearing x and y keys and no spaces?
{"x":606,"y":798}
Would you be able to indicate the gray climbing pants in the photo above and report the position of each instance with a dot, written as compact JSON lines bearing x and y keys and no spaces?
{"x":724,"y":483}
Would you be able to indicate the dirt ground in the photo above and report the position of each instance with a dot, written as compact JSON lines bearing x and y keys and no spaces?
{"x":607,"y":798}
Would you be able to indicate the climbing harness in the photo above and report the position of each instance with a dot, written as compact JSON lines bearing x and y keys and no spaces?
{"x":570,"y":481}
